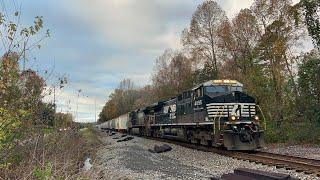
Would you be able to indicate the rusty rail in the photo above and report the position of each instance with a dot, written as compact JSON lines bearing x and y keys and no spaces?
{"x":299,"y":164}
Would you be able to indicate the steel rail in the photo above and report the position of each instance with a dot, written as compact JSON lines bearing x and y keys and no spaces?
{"x":299,"y":164}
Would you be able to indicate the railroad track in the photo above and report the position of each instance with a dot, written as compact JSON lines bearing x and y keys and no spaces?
{"x":308,"y":166}
{"x":299,"y":164}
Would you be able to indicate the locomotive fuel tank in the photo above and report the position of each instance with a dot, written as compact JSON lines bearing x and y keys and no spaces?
{"x":174,"y":131}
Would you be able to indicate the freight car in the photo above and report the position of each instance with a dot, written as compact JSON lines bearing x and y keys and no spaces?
{"x":215,"y":113}
{"x":116,"y":124}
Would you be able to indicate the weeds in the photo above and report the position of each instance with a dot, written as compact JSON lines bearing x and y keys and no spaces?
{"x":55,"y":155}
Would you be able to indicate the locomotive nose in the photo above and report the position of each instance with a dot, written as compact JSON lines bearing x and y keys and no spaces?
{"x":245,"y":135}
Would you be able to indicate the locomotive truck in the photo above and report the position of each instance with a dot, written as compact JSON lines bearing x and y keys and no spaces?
{"x":215,"y":113}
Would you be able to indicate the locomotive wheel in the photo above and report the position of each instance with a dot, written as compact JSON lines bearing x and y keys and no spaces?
{"x":191,"y":138}
{"x":154,"y":133}
{"x":194,"y":140}
{"x":204,"y":142}
{"x":157,"y":133}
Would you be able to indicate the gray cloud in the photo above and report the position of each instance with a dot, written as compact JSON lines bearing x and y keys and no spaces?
{"x":143,"y":25}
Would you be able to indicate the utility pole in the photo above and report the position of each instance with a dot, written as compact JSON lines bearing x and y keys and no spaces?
{"x":24,"y":56}
{"x":54,"y":97}
{"x":77,"y":104}
{"x":54,"y":105}
{"x":95,"y":113}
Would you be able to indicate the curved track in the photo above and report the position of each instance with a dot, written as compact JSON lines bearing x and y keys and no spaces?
{"x":308,"y":166}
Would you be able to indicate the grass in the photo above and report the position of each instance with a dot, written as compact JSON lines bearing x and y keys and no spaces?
{"x":52,"y":155}
{"x":47,"y":130}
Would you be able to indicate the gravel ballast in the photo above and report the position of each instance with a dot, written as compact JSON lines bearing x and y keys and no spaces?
{"x":132,"y":160}
{"x":305,"y":151}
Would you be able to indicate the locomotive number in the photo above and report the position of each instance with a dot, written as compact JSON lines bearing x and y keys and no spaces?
{"x":198,"y":103}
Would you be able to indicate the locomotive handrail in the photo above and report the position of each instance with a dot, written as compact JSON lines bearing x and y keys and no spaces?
{"x":221,"y":113}
{"x":264,"y":118}
{"x":214,"y":120}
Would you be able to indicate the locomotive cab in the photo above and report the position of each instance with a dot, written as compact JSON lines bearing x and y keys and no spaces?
{"x":236,"y":125}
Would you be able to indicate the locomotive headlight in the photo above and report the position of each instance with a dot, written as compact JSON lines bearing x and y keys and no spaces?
{"x":256,"y":118}
{"x":233,"y":118}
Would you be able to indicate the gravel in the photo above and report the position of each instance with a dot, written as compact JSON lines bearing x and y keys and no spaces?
{"x":132,"y":160}
{"x":306,"y":151}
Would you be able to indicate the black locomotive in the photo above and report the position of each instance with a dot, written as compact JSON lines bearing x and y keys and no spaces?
{"x":215,"y":113}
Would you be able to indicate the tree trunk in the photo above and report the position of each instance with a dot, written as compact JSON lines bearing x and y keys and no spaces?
{"x":295,"y":88}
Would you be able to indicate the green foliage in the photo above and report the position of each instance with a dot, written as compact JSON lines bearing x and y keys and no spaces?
{"x":9,"y":78}
{"x":11,"y":104}
{"x":62,"y":120}
{"x":273,"y":133}
{"x":302,"y":117}
{"x":9,"y":123}
{"x":293,"y":133}
{"x":88,"y":135}
{"x":21,"y":90}
{"x":309,"y":82}
{"x":27,"y":124}
{"x":312,"y":19}
{"x":45,"y":114}
{"x":43,"y":173}
{"x":47,"y":130}
{"x":309,"y":77}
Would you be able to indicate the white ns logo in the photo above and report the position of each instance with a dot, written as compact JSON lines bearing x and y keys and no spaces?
{"x":236,"y":110}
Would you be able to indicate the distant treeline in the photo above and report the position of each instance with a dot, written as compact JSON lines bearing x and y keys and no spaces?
{"x":262,"y":47}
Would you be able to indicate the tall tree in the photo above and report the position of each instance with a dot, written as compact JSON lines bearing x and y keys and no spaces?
{"x":32,"y":86}
{"x":173,"y":74}
{"x":268,"y":11}
{"x":121,"y":100}
{"x":312,"y":19}
{"x":202,"y":36}
{"x":239,"y":39}
{"x":309,"y":83}
{"x":278,"y":36}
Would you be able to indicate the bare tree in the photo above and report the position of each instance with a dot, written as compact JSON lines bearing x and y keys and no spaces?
{"x":239,"y":39}
{"x":268,"y":11}
{"x":202,"y":36}
{"x":173,"y":74}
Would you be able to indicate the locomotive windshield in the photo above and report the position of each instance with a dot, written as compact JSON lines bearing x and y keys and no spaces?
{"x":221,"y":89}
{"x":235,"y":88}
{"x":216,"y":89}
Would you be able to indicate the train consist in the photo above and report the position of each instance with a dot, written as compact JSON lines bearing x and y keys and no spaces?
{"x":215,"y":113}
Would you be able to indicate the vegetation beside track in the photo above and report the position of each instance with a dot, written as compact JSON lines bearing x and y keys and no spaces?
{"x":57,"y":155}
{"x":36,"y":141}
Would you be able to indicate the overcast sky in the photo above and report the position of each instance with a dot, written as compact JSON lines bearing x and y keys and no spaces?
{"x":96,"y":43}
